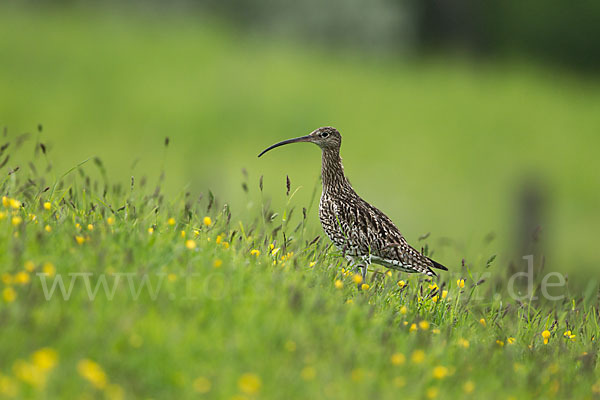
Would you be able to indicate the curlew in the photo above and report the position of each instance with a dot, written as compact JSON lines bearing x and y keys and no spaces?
{"x":360,"y":231}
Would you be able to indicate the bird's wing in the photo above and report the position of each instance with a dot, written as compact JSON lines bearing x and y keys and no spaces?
{"x":373,"y":233}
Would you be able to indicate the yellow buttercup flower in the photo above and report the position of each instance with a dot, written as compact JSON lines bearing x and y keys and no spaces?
{"x":365,"y":286}
{"x":401,"y":284}
{"x":403,"y":310}
{"x":413,"y":327}
{"x":201,"y":385}
{"x":47,"y":206}
{"x":308,"y":373}
{"x":48,"y":228}
{"x":460,"y":283}
{"x":500,"y":343}
{"x":463,"y":343}
{"x":424,"y":325}
{"x":9,"y":294}
{"x":171,"y":221}
{"x":14,"y":203}
{"x":93,"y":373}
{"x":357,"y":279}
{"x":218,"y":263}
{"x":29,"y":266}
{"x":49,"y":269}
{"x":207,"y":221}
{"x":249,"y":383}
{"x":45,"y":358}
{"x":339,"y":284}
{"x":511,"y":340}
{"x":90,"y":227}
{"x":440,"y":372}
{"x":418,"y":356}
{"x":398,"y":359}
{"x":22,"y":278}
{"x":79,"y":239}
{"x":482,"y":322}
{"x":255,"y":252}
{"x":546,"y":336}
{"x":468,"y":387}
{"x":16,"y":220}
{"x":190,"y":244}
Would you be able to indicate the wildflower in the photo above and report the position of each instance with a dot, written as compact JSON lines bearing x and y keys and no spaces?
{"x":78,"y":226}
{"x":463,"y":343}
{"x":432,"y":392}
{"x":110,"y":220}
{"x":482,"y":322}
{"x":500,"y":343}
{"x":197,"y":233}
{"x":8,"y":387}
{"x":468,"y":387}
{"x":32,"y":217}
{"x":357,"y":279}
{"x":16,"y":220}
{"x":226,"y":245}
{"x":440,"y":372}
{"x":424,"y":325}
{"x":5,"y":201}
{"x":201,"y":385}
{"x":90,"y":227}
{"x":93,"y":373}
{"x":511,"y":340}
{"x":401,"y":284}
{"x":219,"y":239}
{"x":255,"y":252}
{"x":546,"y":336}
{"x":2,"y":215}
{"x":182,"y":234}
{"x":29,"y":373}
{"x":190,"y":244}
{"x":403,"y":310}
{"x":435,"y":298}
{"x":114,"y":392}
{"x":433,"y":286}
{"x":435,"y":331}
{"x":29,"y":266}
{"x":6,"y":278}
{"x":308,"y":373}
{"x":49,"y":269}
{"x":312,"y":264}
{"x":22,"y":277}
{"x":249,"y":383}
{"x":171,"y":221}
{"x":207,"y":221}
{"x":398,"y":359}
{"x":444,"y":294}
{"x":413,"y":327}
{"x":45,"y":358}
{"x":218,"y":263}
{"x":365,"y":286}
{"x":14,"y":203}
{"x":9,"y":294}
{"x":389,"y":274}
{"x":79,"y":239}
{"x":47,"y":206}
{"x":48,"y":228}
{"x":460,"y":283}
{"x":171,"y":277}
{"x":339,"y":284}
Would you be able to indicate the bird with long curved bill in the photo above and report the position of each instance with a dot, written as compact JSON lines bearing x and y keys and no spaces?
{"x":360,"y":231}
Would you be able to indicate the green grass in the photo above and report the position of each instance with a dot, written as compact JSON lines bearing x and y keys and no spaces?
{"x":223,"y":323}
{"x":441,"y":145}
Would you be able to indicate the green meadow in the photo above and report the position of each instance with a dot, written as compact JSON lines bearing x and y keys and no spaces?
{"x":189,"y":270}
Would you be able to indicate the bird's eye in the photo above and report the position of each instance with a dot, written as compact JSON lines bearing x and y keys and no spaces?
{"x":324,"y":134}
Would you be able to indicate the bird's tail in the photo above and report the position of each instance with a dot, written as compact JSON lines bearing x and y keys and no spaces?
{"x":438,"y":265}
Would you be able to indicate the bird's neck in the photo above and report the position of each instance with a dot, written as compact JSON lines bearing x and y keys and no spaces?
{"x":332,"y":171}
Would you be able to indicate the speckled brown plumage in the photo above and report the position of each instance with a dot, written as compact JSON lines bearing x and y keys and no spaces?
{"x":360,"y":231}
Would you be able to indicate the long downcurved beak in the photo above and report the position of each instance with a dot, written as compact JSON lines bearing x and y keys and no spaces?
{"x":306,"y":138}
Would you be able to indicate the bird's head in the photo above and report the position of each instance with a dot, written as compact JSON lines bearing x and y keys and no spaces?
{"x":327,"y":138}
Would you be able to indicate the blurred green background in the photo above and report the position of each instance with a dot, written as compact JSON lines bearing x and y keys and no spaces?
{"x":469,"y":122}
